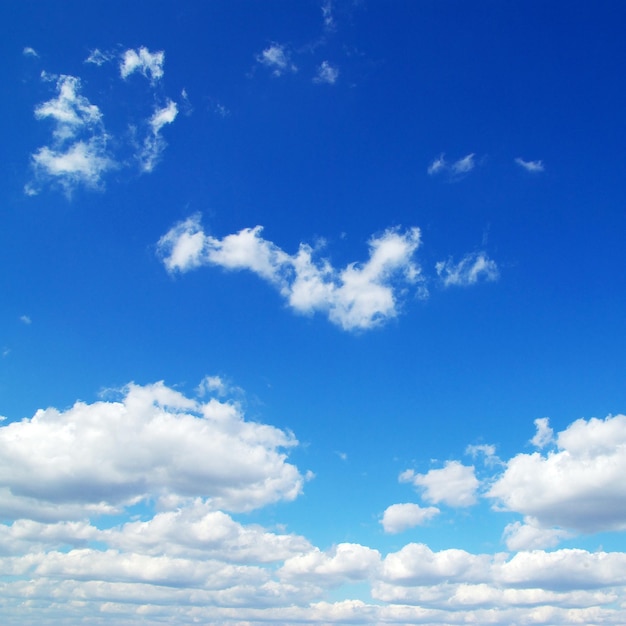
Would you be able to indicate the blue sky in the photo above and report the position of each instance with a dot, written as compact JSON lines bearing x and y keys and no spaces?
{"x":312,"y":313}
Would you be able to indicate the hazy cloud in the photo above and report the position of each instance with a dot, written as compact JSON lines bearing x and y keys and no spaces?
{"x":326,"y":73}
{"x":150,"y":64}
{"x":530,"y":166}
{"x":455,"y":169}
{"x":468,"y":271}
{"x":276,"y":57}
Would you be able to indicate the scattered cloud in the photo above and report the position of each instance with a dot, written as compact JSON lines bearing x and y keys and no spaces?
{"x":400,"y":517}
{"x":359,"y":296}
{"x":276,"y":57}
{"x":327,"y":15}
{"x":578,"y":486}
{"x":455,"y":484}
{"x":29,"y":52}
{"x":25,"y":319}
{"x":149,"y":64}
{"x":530,"y":166}
{"x":485,"y":451}
{"x":544,"y":434}
{"x":326,"y":73}
{"x":97,"y":57}
{"x":154,"y":144}
{"x":468,"y":271}
{"x":532,"y":536}
{"x":455,"y":169}
{"x":78,"y":153}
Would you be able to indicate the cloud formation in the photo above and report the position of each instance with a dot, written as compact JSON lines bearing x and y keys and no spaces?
{"x":276,"y":58}
{"x":468,"y":271}
{"x":454,"y":169}
{"x":357,"y":297}
{"x":326,"y":73}
{"x":530,"y":166}
{"x":153,"y":443}
{"x":400,"y":517}
{"x":149,"y":64}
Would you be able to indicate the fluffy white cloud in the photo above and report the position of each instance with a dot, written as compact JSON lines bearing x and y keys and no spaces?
{"x":78,"y":153}
{"x":153,"y":443}
{"x":454,"y":484}
{"x":276,"y":57}
{"x":468,"y":271}
{"x":544,"y":434}
{"x":326,"y":73}
{"x":454,"y":169}
{"x":154,"y":144}
{"x":530,"y":166}
{"x":578,"y":486}
{"x":531,"y":536}
{"x":400,"y":517}
{"x":150,"y":64}
{"x":360,"y":296}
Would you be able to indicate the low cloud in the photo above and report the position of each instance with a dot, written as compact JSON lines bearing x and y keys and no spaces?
{"x":359,"y":296}
{"x":400,"y":517}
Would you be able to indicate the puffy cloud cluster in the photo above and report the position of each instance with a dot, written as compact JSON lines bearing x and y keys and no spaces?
{"x":153,"y":443}
{"x":359,"y":296}
{"x":80,"y":152}
{"x":188,"y":559}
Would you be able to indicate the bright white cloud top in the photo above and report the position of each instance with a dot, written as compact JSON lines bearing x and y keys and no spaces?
{"x":359,"y":296}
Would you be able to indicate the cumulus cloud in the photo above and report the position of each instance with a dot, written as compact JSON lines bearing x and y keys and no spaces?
{"x":359,"y":296}
{"x":578,"y":486}
{"x":149,"y":64}
{"x":468,"y":271}
{"x":544,"y":434}
{"x":531,"y":536}
{"x":78,"y":153}
{"x":530,"y":166}
{"x":326,"y":73}
{"x":455,"y":169}
{"x":400,"y":517}
{"x":153,"y":443}
{"x":454,"y":484}
{"x":276,"y":57}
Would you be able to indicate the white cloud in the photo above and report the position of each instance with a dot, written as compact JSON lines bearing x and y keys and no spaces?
{"x":486,"y":451}
{"x":544,"y":434}
{"x":531,"y":536}
{"x":326,"y":73}
{"x":455,"y":169}
{"x":29,"y":52}
{"x":530,"y":166}
{"x":78,"y":153}
{"x":578,"y":486}
{"x":455,"y":484}
{"x":360,"y":296}
{"x":154,"y":144}
{"x":468,"y":271}
{"x":97,"y":57}
{"x":400,"y":517}
{"x":154,"y":443}
{"x":276,"y":58}
{"x":150,"y":64}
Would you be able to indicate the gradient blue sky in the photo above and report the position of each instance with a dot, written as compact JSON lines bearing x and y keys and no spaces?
{"x":313,"y":312}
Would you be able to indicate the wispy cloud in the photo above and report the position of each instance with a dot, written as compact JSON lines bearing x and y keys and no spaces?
{"x":78,"y":153}
{"x":468,"y":271}
{"x":530,"y":166}
{"x":29,"y":52}
{"x":359,"y":296}
{"x":327,"y":15}
{"x":154,"y":144}
{"x":326,"y":73}
{"x":277,"y":58}
{"x":455,"y":169}
{"x":25,"y":319}
{"x":97,"y":57}
{"x":149,"y":64}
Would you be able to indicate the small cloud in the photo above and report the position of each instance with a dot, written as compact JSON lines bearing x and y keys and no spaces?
{"x":544,"y":434}
{"x":25,"y":319}
{"x":487,"y":451}
{"x":326,"y":73}
{"x":97,"y":57}
{"x":342,"y":455}
{"x":29,"y":52}
{"x":5,"y":352}
{"x":150,"y":64}
{"x":455,"y":169}
{"x":400,"y":517}
{"x":327,"y":15}
{"x":276,"y":58}
{"x":211,"y":384}
{"x":530,"y":166}
{"x":468,"y":271}
{"x":154,"y":144}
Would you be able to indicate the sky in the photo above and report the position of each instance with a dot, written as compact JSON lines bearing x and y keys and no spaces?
{"x":312,"y":312}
